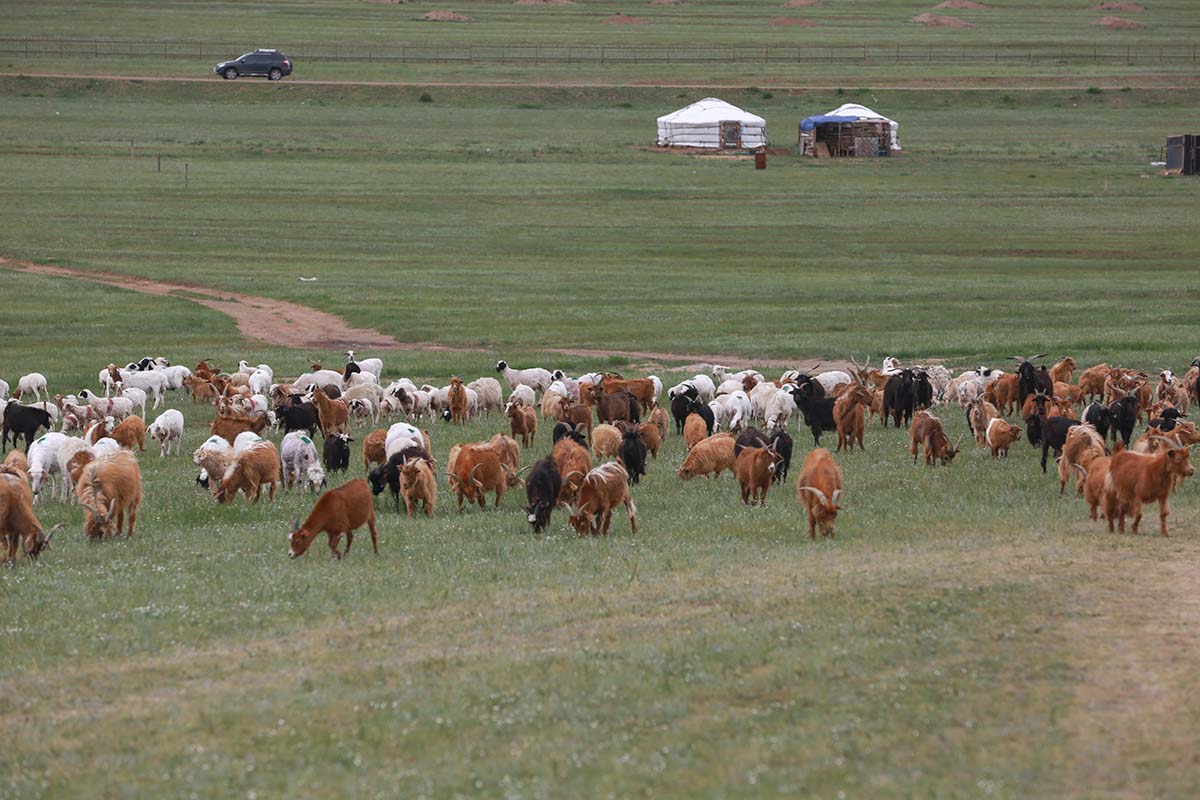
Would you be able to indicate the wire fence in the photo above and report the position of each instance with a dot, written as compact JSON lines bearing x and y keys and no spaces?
{"x":550,"y":54}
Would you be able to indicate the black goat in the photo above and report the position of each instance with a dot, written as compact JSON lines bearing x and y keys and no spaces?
{"x":1035,"y":424}
{"x":705,"y":413}
{"x":388,"y":475}
{"x":1168,"y":419}
{"x":336,"y":453}
{"x":782,"y":444}
{"x":542,"y":489}
{"x":24,"y":421}
{"x":299,"y":416}
{"x":1099,"y":417}
{"x":899,"y":398}
{"x":1030,"y":379}
{"x":1054,"y":436}
{"x":681,"y":406}
{"x":922,"y":390}
{"x":633,"y":455}
{"x":817,"y":411}
{"x":1125,"y":411}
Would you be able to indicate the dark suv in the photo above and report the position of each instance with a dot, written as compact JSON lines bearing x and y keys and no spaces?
{"x":271,"y":63}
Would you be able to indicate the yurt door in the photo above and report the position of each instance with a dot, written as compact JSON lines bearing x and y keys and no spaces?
{"x":731,"y":134}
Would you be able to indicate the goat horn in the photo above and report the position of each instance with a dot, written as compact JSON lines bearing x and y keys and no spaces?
{"x":836,"y":494}
{"x":820,"y":495}
{"x":567,"y":477}
{"x":1081,"y":470}
{"x":50,"y":535}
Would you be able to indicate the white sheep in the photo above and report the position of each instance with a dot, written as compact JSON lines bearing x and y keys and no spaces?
{"x":72,"y":447}
{"x":729,"y":386}
{"x":259,"y":382}
{"x":760,"y":396}
{"x":105,"y":445}
{"x":363,"y":409}
{"x":320,"y":379}
{"x":371,"y":365}
{"x":491,"y":396}
{"x":522,"y":394}
{"x":704,"y":386}
{"x":136,"y":395}
{"x":832,"y":379}
{"x":247,"y":440}
{"x":3,"y":388}
{"x":301,"y":462}
{"x":401,"y":435}
{"x":151,"y":382}
{"x":780,"y":408}
{"x":718,"y":411}
{"x":658,"y":387}
{"x":359,"y":378}
{"x":535,"y":377}
{"x":43,"y":463}
{"x":167,"y":428}
{"x":35,"y":384}
{"x":735,"y":408}
{"x":117,"y":407}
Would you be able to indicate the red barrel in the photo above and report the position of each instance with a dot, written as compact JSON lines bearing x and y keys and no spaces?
{"x":760,"y":159}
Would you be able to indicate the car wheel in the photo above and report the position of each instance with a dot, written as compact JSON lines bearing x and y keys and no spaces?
{"x":275,"y":74}
{"x":230,"y":73}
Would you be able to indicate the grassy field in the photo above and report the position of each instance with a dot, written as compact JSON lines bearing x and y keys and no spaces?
{"x":969,"y":633}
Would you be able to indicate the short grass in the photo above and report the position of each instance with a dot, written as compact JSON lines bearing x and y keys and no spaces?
{"x":968,"y":633}
{"x":1012,"y":222}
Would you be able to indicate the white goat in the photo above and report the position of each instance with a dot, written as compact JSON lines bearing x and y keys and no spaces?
{"x":780,"y":408}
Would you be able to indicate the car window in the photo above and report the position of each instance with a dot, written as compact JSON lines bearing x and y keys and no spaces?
{"x":244,"y":56}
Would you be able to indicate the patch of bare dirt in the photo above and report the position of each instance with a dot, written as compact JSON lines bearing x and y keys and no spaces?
{"x":797,"y":21}
{"x":543,"y":3}
{"x":966,"y":4}
{"x":624,"y":19}
{"x":667,"y":3}
{"x":1119,"y":5}
{"x":1119,"y":23}
{"x":446,"y":15}
{"x":941,"y":21}
{"x":802,"y":3}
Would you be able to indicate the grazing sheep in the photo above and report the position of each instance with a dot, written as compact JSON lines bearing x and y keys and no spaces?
{"x":301,"y":466}
{"x":491,"y":397}
{"x":535,"y":377}
{"x":34,"y":383}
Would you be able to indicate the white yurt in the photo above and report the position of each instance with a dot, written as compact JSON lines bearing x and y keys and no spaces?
{"x":712,"y":123}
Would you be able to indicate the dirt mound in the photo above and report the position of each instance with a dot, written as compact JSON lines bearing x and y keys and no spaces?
{"x":1119,"y":5}
{"x":968,"y":4}
{"x":798,"y":21}
{"x":1117,"y":23}
{"x":624,"y":19}
{"x":445,"y":15}
{"x":941,"y":21}
{"x":802,"y":4}
{"x":543,"y":3}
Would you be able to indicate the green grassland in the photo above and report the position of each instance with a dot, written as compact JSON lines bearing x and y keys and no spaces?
{"x":968,"y":633}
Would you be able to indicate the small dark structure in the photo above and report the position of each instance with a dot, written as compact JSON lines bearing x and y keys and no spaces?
{"x":1183,"y":154}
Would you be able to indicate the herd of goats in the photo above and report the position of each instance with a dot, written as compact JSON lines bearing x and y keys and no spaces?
{"x":605,"y":426}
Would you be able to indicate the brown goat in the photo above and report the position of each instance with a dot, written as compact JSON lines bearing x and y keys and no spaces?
{"x":602,"y":490}
{"x":456,"y":401}
{"x":695,"y":430}
{"x":927,"y":431}
{"x":338,"y":511}
{"x":606,"y":442}
{"x":374,"y":448}
{"x":1094,"y":479}
{"x":1000,"y":436}
{"x":478,"y":470}
{"x":1062,"y":371}
{"x":522,"y":421}
{"x":979,"y":413}
{"x":417,"y":484}
{"x":661,"y":421}
{"x":819,"y":488}
{"x":1092,"y":380}
{"x":18,"y":523}
{"x":334,"y":415}
{"x":131,"y":431}
{"x":109,"y":488}
{"x":580,"y":416}
{"x":228,"y":426}
{"x":509,"y":451}
{"x":709,"y":457}
{"x":1136,"y":478}
{"x":650,"y":435}
{"x":248,"y":471}
{"x":572,"y":461}
{"x":1004,"y":393}
{"x":15,"y":463}
{"x":849,"y":415}
{"x":1082,"y":446}
{"x":755,"y":470}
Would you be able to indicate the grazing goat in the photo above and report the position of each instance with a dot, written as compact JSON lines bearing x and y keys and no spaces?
{"x":1136,"y":478}
{"x":18,"y":523}
{"x":695,"y":430}
{"x":606,"y":442}
{"x":755,"y":472}
{"x":651,"y":436}
{"x":456,"y":401}
{"x":167,"y":428}
{"x":339,"y":511}
{"x":927,"y":432}
{"x":709,"y":457}
{"x":298,"y":455}
{"x":570,"y":458}
{"x":542,"y":490}
{"x":660,"y":420}
{"x":1125,"y":411}
{"x":849,"y":416}
{"x":633,"y":455}
{"x":1083,"y":446}
{"x":602,"y":490}
{"x":109,"y":488}
{"x":334,"y":415}
{"x":248,"y":471}
{"x":819,"y":488}
{"x":980,"y":413}
{"x":477,"y":470}
{"x":374,"y":448}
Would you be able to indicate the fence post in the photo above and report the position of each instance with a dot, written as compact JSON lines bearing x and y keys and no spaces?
{"x":602,"y":54}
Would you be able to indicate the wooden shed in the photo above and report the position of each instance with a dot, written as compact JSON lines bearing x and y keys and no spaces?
{"x":849,"y":131}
